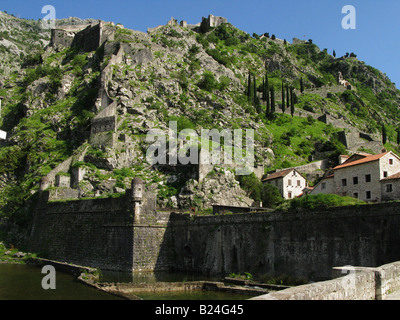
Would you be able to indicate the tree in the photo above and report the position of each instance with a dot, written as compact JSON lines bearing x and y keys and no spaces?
{"x":208,"y":81}
{"x":273,"y":37}
{"x":287,"y":97}
{"x":272,"y":100}
{"x":398,"y":137}
{"x":268,"y":105}
{"x":252,"y":185}
{"x":334,"y":53}
{"x":263,"y":90}
{"x":255,"y":98}
{"x":271,"y":196}
{"x":204,"y":25}
{"x":384,"y":137}
{"x":283,"y":98}
{"x":291,"y":102}
{"x":249,"y":92}
{"x":301,"y":85}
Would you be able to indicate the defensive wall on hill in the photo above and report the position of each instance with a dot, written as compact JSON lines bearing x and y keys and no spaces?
{"x":110,"y":234}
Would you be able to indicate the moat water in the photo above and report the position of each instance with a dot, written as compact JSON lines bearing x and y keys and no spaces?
{"x":23,"y":282}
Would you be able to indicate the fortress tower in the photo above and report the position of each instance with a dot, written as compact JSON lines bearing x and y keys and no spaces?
{"x":137,"y":197}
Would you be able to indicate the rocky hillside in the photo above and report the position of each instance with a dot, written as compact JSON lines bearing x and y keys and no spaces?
{"x":57,"y":97}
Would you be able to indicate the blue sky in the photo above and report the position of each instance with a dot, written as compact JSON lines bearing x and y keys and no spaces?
{"x":376,"y":39}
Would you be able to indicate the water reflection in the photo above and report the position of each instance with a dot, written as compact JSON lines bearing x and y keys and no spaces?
{"x":153,"y":277}
{"x":23,"y":282}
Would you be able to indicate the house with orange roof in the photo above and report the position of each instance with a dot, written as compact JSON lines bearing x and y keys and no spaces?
{"x":362,"y":176}
{"x":390,"y":187}
{"x":290,"y":182}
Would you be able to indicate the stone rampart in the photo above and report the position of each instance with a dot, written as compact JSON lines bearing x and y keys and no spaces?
{"x":350,"y":283}
{"x":357,"y":286}
{"x":302,"y":244}
{"x":104,"y":233}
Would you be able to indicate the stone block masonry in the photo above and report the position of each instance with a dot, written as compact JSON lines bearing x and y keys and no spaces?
{"x":107,"y":233}
{"x":350,"y":283}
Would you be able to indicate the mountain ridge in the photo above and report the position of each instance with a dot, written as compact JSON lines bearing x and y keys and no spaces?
{"x":197,"y":76}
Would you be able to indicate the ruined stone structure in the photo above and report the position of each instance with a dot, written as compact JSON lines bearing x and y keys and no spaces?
{"x":344,"y":82}
{"x":112,"y":235}
{"x":87,"y":37}
{"x":212,"y":21}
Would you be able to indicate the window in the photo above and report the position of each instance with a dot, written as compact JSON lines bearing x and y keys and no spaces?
{"x":344,"y":182}
{"x":289,"y":195}
{"x":355,"y":180}
{"x":368,"y":194}
{"x":355,"y":195}
{"x":385,"y":174}
{"x":289,"y":182}
{"x":367,"y":178}
{"x":389,"y":187}
{"x":390,"y":161}
{"x":323,"y":186}
{"x":298,"y":183}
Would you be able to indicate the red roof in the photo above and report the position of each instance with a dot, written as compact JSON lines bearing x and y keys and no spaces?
{"x":278,"y":174}
{"x":367,"y":158}
{"x":392,"y":177}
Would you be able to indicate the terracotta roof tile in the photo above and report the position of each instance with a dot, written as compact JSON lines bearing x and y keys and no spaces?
{"x":392,"y":177}
{"x":366,"y":159}
{"x":278,"y":174}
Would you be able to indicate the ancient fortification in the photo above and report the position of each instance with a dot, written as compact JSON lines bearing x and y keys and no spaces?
{"x":130,"y":233}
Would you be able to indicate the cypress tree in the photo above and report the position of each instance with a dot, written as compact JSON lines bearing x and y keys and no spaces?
{"x":398,"y":137}
{"x":291,"y":102}
{"x":254,"y":90}
{"x":268,"y":106}
{"x":301,"y":85}
{"x":283,"y":98}
{"x":272,"y":100}
{"x":384,"y":137}
{"x":263,"y":89}
{"x":256,"y":102}
{"x":249,"y":87}
{"x":287,"y":98}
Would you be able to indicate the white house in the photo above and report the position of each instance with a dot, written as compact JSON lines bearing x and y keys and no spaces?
{"x":289,"y":182}
{"x":361,"y":176}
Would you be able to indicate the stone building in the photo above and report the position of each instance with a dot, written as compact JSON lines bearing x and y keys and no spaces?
{"x":390,"y":187}
{"x":325,"y":185}
{"x":290,"y":182}
{"x":363,"y":176}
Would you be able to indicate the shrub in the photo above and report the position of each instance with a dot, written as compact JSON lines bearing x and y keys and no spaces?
{"x":322,"y":201}
{"x":271,"y":196}
{"x":252,"y":185}
{"x":208,"y":81}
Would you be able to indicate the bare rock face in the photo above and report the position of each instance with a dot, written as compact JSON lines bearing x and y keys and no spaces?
{"x":218,"y":188}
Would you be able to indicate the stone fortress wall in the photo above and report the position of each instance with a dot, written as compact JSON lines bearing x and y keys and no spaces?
{"x":130,"y":235}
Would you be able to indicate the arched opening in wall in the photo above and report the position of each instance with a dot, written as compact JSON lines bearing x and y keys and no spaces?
{"x":235,"y":264}
{"x":188,"y":251}
{"x":187,"y":259}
